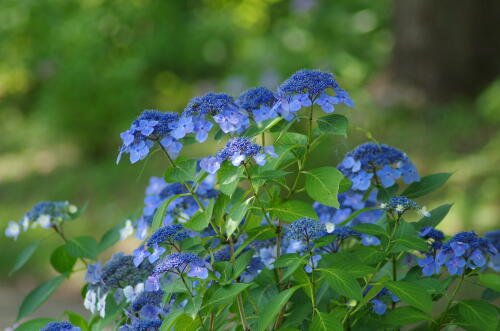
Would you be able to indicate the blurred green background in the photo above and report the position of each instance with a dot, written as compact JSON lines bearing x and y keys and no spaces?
{"x":74,"y":74}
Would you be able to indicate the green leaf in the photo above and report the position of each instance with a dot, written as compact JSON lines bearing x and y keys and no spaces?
{"x":83,"y":246}
{"x":333,"y":124}
{"x":226,"y":294}
{"x":491,"y":281}
{"x":220,"y":208}
{"x":482,"y":315}
{"x":186,"y":322}
{"x":34,"y":324}
{"x":368,"y":255}
{"x":436,"y":217}
{"x":24,"y":256}
{"x":162,"y":210}
{"x":322,"y":185}
{"x":228,"y":177}
{"x":426,"y":185}
{"x":241,"y":264}
{"x":411,"y":293}
{"x":185,"y":171}
{"x":371,"y":229}
{"x":325,"y":322}
{"x":292,"y":210}
{"x":342,"y":282}
{"x":201,"y":219}
{"x":77,"y":320}
{"x":255,"y":130}
{"x":193,"y":305}
{"x":405,"y":315}
{"x":409,"y":243}
{"x":111,"y":237}
{"x":61,"y":260}
{"x":38,"y":296}
{"x":272,"y":308}
{"x":170,"y":320}
{"x":345,"y":185}
{"x":236,"y":214}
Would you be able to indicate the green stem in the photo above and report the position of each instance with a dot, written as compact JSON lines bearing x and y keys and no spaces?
{"x":192,"y":296}
{"x":241,"y":307}
{"x":247,"y":173}
{"x":442,"y":317}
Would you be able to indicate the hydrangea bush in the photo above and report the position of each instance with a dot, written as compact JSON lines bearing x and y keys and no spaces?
{"x":253,"y":238}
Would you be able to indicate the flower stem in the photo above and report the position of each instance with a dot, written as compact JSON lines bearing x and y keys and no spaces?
{"x":442,"y":317}
{"x":192,"y":296}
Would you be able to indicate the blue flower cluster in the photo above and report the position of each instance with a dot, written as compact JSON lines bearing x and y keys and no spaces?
{"x":180,"y":209}
{"x":151,"y":126}
{"x":259,"y":101}
{"x":494,"y":238}
{"x":168,"y":235}
{"x":463,"y":251}
{"x":45,"y":214}
{"x":401,"y":204}
{"x":384,"y":163}
{"x":379,"y":302}
{"x":308,"y":87}
{"x":305,"y":229}
{"x":179,"y":263}
{"x":237,"y":150}
{"x":60,"y":326}
{"x":142,"y":325}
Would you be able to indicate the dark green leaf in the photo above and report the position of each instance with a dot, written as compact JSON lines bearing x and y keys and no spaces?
{"x":371,"y":229}
{"x":83,"y":246}
{"x":220,"y":208}
{"x":61,"y":260}
{"x":272,"y":308}
{"x":342,"y":282}
{"x":436,"y":217}
{"x":24,"y":256}
{"x":291,"y":211}
{"x":226,"y":294}
{"x":183,"y":172}
{"x":409,"y":243}
{"x":162,"y":210}
{"x":405,"y":315}
{"x":333,"y":124}
{"x":38,"y":296}
{"x":322,"y":185}
{"x":241,"y":263}
{"x":170,"y":320}
{"x":228,"y":177}
{"x":200,"y":220}
{"x":111,"y":237}
{"x":426,"y":185}
{"x":491,"y":281}
{"x":255,"y":130}
{"x":411,"y":293}
{"x":325,"y":322}
{"x":368,"y":255}
{"x":482,"y":315}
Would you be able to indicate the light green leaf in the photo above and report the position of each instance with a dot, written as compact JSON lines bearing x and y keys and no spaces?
{"x":371,"y":229}
{"x":24,"y":256}
{"x":322,"y":185}
{"x":405,"y":315}
{"x":61,"y":261}
{"x":292,"y":210}
{"x":228,"y":177}
{"x":226,"y":294}
{"x":162,"y":210}
{"x":255,"y":130}
{"x":490,"y":281}
{"x":170,"y":320}
{"x":426,"y":185}
{"x":236,"y":214}
{"x":83,"y":246}
{"x":183,"y":172}
{"x":272,"y":308}
{"x":77,"y":320}
{"x":409,"y":243}
{"x":481,"y":314}
{"x":333,"y":124}
{"x":325,"y":322}
{"x":38,"y":296}
{"x":200,"y":220}
{"x":412,"y":294}
{"x":342,"y":282}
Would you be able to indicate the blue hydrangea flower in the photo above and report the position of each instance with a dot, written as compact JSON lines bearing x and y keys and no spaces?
{"x":168,"y":234}
{"x":151,"y":126}
{"x":237,"y":150}
{"x":259,"y":101}
{"x":370,"y":159}
{"x":378,"y":303}
{"x":181,"y":262}
{"x":148,"y":304}
{"x":146,"y":325}
{"x":379,"y":307}
{"x":306,"y":87}
{"x":94,"y":273}
{"x":401,"y":204}
{"x":305,"y":229}
{"x":494,"y":238}
{"x":429,"y":232}
{"x":120,"y":272}
{"x":368,"y":240}
{"x":13,"y":230}
{"x":60,"y":326}
{"x":429,"y":266}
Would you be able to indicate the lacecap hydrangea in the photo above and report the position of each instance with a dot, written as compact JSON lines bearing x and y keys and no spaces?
{"x":259,"y":102}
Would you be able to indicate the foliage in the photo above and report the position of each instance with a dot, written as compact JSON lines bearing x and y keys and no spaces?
{"x":230,"y":241}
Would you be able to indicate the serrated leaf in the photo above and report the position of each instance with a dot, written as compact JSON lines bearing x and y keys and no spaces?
{"x":333,"y":124}
{"x":61,"y":261}
{"x":412,"y":294}
{"x":405,"y":315}
{"x":183,"y":172}
{"x":83,"y":246}
{"x":426,"y":185}
{"x":325,"y":322}
{"x":435,"y":218}
{"x":481,"y":314}
{"x":226,"y":294}
{"x":24,"y":256}
{"x":292,"y":210}
{"x":322,"y":185}
{"x":200,"y":220}
{"x":342,"y":282}
{"x":272,"y":308}
{"x":491,"y":281}
{"x":38,"y":296}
